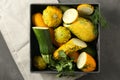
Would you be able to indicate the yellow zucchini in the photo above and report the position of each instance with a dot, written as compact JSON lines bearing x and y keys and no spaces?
{"x":71,"y":46}
{"x":85,"y":9}
{"x":83,"y":29}
{"x":86,"y":62}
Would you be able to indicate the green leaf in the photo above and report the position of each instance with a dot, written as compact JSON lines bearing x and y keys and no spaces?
{"x":65,"y":65}
{"x":62,"y":54}
{"x":59,"y":68}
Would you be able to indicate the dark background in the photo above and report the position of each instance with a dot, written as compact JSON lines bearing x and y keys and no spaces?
{"x":110,"y":47}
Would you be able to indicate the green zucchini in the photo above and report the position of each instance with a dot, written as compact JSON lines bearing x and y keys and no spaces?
{"x":45,"y":43}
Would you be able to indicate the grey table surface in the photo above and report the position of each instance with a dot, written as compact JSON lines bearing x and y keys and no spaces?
{"x":110,"y":48}
{"x":8,"y":68}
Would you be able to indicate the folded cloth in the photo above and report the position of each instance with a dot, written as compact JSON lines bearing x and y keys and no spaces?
{"x":14,"y":25}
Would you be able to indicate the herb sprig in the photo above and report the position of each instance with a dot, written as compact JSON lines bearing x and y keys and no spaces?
{"x":64,"y":65}
{"x":97,"y":19}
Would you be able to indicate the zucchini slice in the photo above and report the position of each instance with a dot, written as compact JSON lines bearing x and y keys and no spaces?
{"x":86,"y":62}
{"x":70,"y":15}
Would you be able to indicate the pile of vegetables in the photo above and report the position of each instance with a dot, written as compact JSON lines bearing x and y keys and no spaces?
{"x":64,"y":34}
